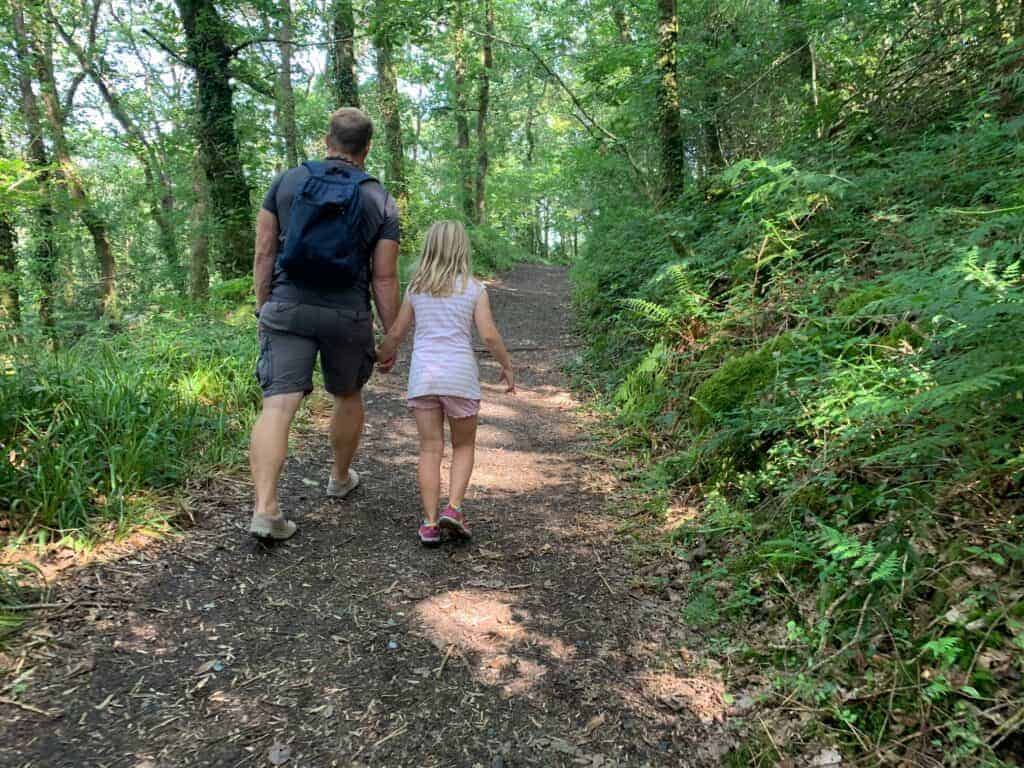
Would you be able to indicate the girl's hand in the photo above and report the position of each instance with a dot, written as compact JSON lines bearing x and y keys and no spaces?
{"x":385,"y":358}
{"x":509,"y":379}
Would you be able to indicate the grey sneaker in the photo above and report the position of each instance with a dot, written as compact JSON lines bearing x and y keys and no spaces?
{"x":277,"y":528}
{"x":341,"y":490}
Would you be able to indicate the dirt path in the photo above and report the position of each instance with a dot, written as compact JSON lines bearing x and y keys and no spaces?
{"x":351,"y":645}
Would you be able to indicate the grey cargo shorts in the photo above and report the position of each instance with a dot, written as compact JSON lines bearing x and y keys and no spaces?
{"x":292,"y":334}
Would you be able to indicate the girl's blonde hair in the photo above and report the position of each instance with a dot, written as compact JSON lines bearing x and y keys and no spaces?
{"x":445,"y":259}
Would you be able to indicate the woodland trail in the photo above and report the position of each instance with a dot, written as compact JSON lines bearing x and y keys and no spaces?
{"x":351,"y":645}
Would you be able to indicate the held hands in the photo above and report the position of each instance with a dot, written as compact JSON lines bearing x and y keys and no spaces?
{"x":386,"y":358}
{"x":508,"y":378}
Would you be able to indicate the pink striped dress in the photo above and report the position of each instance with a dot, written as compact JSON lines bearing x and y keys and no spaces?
{"x":443,"y":360}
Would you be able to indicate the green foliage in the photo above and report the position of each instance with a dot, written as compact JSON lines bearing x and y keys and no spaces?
{"x":846,"y":393}
{"x":91,"y":435}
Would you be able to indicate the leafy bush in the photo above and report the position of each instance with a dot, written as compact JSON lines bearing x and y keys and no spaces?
{"x":88,"y":435}
{"x":839,"y":378}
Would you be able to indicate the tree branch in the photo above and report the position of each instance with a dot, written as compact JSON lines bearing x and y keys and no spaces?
{"x":589,"y":122}
{"x":167,"y":49}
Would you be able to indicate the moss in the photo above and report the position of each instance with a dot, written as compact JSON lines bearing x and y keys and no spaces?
{"x":903,"y":332}
{"x":738,"y":381}
{"x":853,"y":303}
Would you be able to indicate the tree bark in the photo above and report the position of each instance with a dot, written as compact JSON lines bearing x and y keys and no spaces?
{"x":484,"y":100}
{"x":158,"y":184}
{"x":10,"y":300}
{"x":461,"y":119}
{"x":209,"y":56}
{"x":67,"y":173}
{"x":285,"y":93}
{"x":796,"y":38}
{"x":344,"y":83}
{"x":670,"y":129}
{"x":199,"y":262}
{"x":44,"y":257}
{"x":622,"y":25}
{"x":387,"y":82}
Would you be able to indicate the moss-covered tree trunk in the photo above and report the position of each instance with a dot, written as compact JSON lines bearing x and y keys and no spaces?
{"x":344,"y":83}
{"x":209,"y":56}
{"x":796,"y":39}
{"x":463,"y":163}
{"x":670,"y":127}
{"x":43,"y":261}
{"x":158,"y":185}
{"x":285,"y":93}
{"x":199,"y":262}
{"x":387,"y":82}
{"x":67,"y":173}
{"x":483,"y":102}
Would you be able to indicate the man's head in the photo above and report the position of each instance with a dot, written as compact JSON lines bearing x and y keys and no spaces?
{"x":349,"y":133}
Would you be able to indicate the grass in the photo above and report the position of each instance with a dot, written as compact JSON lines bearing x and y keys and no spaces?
{"x":93,"y":436}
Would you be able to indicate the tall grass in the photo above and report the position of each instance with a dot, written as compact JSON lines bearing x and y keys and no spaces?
{"x":90,"y":435}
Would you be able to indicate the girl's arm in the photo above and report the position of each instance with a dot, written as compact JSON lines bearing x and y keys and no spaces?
{"x":393,"y":340}
{"x":489,"y":334}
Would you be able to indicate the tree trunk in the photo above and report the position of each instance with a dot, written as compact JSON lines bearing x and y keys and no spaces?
{"x":158,"y":184}
{"x":670,"y":129}
{"x":623,"y":26}
{"x":285,"y":95}
{"x":387,"y":82}
{"x":796,"y":39}
{"x":713,"y":156}
{"x":44,"y":257}
{"x":68,"y":173}
{"x":484,"y":100}
{"x":209,"y":56}
{"x":10,"y":302}
{"x":199,"y":263}
{"x":344,"y":83}
{"x":461,"y":120}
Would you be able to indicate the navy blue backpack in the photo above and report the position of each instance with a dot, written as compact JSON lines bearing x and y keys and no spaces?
{"x":324,"y":245}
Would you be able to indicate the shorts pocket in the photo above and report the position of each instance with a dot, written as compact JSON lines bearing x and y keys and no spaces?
{"x":264,"y":366}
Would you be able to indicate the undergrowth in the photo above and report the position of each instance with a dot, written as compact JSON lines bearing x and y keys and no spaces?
{"x":824,"y":359}
{"x":94,"y":435}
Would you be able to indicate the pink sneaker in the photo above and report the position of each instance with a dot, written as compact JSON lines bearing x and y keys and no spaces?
{"x":454,"y":520}
{"x":430,"y":535}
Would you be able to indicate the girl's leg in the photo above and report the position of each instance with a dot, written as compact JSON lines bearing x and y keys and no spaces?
{"x":463,"y":453}
{"x":430,"y":425}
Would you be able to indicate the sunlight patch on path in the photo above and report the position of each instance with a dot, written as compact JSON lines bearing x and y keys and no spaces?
{"x":489,"y":626}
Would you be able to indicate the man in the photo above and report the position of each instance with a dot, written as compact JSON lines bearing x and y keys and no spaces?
{"x":308,"y":304}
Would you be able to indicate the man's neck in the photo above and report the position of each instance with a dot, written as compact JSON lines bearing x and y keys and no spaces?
{"x":345,"y":158}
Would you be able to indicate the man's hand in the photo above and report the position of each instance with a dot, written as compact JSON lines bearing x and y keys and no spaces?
{"x":386,"y":364}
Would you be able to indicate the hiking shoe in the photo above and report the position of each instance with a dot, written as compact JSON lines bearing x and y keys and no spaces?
{"x":430,"y":535}
{"x":341,"y":490}
{"x":454,"y":521}
{"x":275,"y":528}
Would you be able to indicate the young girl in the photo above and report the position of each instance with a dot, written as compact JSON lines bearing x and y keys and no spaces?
{"x":445,"y":302}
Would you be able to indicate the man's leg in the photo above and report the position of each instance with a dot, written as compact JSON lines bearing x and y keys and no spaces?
{"x":268,"y":448}
{"x":346,"y":429}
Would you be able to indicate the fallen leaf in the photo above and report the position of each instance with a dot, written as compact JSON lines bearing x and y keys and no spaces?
{"x":594,"y":723}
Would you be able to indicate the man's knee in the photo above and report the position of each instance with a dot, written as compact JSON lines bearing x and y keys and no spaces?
{"x":283,"y":405}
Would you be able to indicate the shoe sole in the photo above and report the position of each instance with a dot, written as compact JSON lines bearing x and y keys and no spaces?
{"x":430,"y":542}
{"x":342,"y":494}
{"x":455,"y":527}
{"x":267,"y":534}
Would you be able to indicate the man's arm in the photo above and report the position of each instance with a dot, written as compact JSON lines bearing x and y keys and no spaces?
{"x":266,"y":252}
{"x":385,"y":282}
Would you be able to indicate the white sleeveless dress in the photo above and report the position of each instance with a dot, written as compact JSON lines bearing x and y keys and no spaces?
{"x":443,"y":360}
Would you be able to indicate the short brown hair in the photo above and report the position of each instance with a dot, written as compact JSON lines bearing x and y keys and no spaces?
{"x":350,"y":130}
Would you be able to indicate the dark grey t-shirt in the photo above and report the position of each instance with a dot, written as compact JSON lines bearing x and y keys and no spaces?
{"x":379,"y":222}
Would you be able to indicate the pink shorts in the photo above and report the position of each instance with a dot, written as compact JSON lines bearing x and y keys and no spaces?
{"x":454,"y":407}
